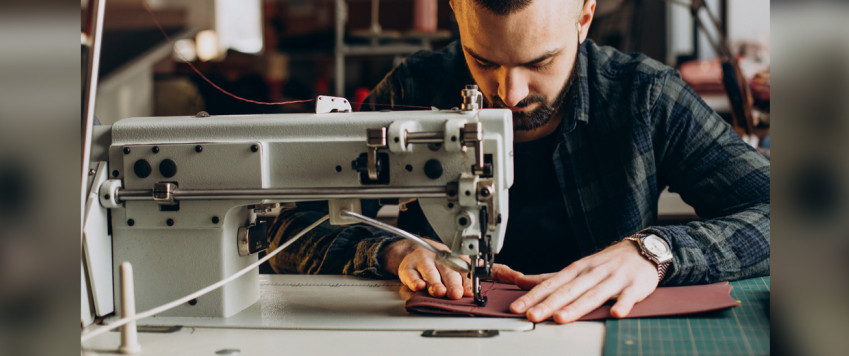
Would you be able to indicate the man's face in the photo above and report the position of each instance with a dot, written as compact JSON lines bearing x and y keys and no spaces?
{"x":522,"y":60}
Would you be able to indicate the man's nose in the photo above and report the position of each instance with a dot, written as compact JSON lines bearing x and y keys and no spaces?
{"x":512,"y":86}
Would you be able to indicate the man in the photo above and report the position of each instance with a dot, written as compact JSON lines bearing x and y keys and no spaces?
{"x":599,"y":134}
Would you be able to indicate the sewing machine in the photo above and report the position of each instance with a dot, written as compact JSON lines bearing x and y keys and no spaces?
{"x":185,"y":199}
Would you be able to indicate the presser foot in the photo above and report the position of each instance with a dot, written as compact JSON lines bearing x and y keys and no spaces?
{"x":480,"y":300}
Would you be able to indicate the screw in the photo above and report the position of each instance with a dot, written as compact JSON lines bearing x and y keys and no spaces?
{"x":155,"y":149}
{"x":485,"y":192}
{"x":214,"y":219}
{"x":115,"y":173}
{"x":126,"y":150}
{"x":91,"y":172}
{"x":254,"y":148}
{"x":131,"y":222}
{"x":198,"y":148}
{"x":169,"y":222}
{"x":202,"y":114}
{"x":193,"y":301}
{"x":106,"y":196}
{"x":338,"y":168}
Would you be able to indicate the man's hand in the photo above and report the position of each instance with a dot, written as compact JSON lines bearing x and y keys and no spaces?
{"x":416,"y":267}
{"x":618,"y":272}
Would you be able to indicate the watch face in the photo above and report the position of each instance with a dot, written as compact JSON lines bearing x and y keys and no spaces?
{"x":655,"y":245}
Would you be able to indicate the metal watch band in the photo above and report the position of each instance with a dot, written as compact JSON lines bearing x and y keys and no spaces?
{"x":662,"y":268}
{"x":661,"y":271}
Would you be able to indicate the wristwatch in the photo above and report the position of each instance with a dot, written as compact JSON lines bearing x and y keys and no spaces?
{"x":655,"y":249}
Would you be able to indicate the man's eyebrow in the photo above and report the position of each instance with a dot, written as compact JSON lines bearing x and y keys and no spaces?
{"x":546,"y":55}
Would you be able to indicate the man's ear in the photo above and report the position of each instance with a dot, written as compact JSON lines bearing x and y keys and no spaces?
{"x":451,"y":4}
{"x":585,"y":19}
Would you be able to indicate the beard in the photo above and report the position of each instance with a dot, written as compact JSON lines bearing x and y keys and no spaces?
{"x":534,"y":119}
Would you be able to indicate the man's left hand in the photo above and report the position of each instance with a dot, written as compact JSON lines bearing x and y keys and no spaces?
{"x":618,"y":272}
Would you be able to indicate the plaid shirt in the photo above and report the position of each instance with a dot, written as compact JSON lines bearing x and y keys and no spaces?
{"x":631,"y":128}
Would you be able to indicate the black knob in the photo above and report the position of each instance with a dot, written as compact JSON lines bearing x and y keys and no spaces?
{"x":168,"y":168}
{"x":142,"y":168}
{"x":433,"y":169}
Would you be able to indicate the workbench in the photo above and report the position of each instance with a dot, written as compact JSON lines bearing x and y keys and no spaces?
{"x":333,"y":315}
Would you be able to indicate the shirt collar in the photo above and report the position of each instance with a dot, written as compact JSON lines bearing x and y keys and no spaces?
{"x":576,"y":108}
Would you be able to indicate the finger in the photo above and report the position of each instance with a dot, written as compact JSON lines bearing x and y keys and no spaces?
{"x":453,"y":282}
{"x":625,"y":302}
{"x":503,"y":273}
{"x":542,"y":288}
{"x":529,"y":282}
{"x":412,"y":279}
{"x":587,"y":302}
{"x":562,"y":296}
{"x":431,"y":275}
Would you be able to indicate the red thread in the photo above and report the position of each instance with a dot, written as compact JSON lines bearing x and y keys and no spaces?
{"x":162,"y":30}
{"x":155,"y":21}
{"x":489,"y":287}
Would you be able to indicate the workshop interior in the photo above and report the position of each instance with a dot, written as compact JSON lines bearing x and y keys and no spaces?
{"x":203,"y":119}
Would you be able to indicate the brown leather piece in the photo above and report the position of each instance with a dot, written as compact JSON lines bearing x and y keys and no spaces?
{"x":665,"y":301}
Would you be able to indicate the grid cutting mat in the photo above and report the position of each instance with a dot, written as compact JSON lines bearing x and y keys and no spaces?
{"x":742,"y":330}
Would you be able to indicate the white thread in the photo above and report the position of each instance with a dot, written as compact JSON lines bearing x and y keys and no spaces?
{"x":165,"y":307}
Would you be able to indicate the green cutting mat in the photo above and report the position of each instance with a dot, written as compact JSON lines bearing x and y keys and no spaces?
{"x":742,"y":330}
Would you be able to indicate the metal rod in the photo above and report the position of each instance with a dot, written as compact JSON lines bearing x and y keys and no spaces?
{"x":288,"y":193}
{"x":389,"y":228}
{"x":94,"y":36}
{"x":426,"y":137}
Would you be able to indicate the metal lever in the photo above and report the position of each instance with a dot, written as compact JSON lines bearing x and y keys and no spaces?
{"x":375,"y":138}
{"x":485,"y":189}
{"x":473,"y":136}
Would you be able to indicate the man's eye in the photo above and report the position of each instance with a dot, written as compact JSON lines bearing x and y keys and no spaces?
{"x":484,"y":65}
{"x":540,"y":65}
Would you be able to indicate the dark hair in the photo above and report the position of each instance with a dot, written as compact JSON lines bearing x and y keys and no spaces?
{"x":503,"y":7}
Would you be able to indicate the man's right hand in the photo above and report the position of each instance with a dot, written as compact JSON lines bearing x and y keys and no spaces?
{"x":416,"y":267}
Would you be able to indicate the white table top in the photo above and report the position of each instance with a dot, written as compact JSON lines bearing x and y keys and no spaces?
{"x":329,"y":315}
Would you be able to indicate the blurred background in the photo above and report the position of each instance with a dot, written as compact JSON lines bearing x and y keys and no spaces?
{"x":277,"y":50}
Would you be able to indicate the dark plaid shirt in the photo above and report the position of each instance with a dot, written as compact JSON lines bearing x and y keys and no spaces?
{"x":631,"y":128}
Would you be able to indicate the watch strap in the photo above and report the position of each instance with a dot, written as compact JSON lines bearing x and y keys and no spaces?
{"x":662,"y":268}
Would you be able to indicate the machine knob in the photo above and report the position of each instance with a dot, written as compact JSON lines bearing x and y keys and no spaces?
{"x":168,"y":168}
{"x":142,"y":168}
{"x":433,"y":169}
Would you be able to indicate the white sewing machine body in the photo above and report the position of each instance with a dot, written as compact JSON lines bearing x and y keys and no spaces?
{"x":212,"y":174}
